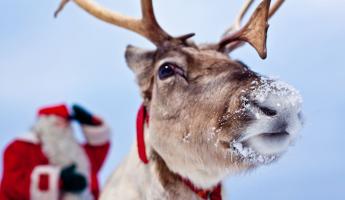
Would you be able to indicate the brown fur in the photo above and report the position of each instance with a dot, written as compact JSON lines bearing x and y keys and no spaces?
{"x":207,"y":99}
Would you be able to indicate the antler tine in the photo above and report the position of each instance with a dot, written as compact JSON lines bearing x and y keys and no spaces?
{"x":237,"y":23}
{"x":275,"y":7}
{"x":152,"y":29}
{"x":236,"y":30}
{"x":244,"y":10}
{"x":254,"y":32}
{"x":242,"y":13}
{"x":147,"y":11}
{"x":147,"y":26}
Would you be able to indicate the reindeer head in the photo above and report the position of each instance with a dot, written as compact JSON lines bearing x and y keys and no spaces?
{"x":209,"y":115}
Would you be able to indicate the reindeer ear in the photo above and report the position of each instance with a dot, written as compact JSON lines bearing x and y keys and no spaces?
{"x":140,"y":61}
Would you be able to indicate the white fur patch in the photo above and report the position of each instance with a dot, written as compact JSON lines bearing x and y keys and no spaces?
{"x":249,"y":155}
{"x":96,"y":135}
{"x":53,"y":191}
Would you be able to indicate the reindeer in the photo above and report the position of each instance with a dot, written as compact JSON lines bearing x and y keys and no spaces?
{"x":205,"y":116}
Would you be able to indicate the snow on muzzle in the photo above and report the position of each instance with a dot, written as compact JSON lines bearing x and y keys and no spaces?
{"x":276,"y":107}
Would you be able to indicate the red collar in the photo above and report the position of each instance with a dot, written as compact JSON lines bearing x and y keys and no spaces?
{"x":142,"y":118}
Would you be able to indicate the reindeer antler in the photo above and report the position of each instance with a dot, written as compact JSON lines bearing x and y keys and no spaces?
{"x":147,"y":26}
{"x":275,"y":7}
{"x":237,"y":23}
{"x":254,"y":32}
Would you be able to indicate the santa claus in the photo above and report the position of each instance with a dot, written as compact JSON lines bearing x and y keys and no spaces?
{"x":48,"y":163}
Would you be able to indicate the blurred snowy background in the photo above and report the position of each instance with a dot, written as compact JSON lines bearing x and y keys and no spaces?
{"x":77,"y":58}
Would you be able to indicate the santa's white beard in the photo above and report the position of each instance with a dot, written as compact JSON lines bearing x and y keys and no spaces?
{"x":62,"y":149}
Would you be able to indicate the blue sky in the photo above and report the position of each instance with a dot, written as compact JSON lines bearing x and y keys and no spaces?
{"x":77,"y":58}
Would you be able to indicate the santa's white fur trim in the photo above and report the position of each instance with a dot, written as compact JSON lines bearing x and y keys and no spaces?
{"x":29,"y":137}
{"x":52,"y":192}
{"x":96,"y":135}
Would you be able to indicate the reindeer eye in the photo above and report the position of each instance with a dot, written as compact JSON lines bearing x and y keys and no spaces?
{"x":166,"y":70}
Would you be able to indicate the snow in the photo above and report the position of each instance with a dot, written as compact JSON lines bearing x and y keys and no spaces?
{"x":211,"y":133}
{"x":271,"y":86}
{"x":279,"y":96}
{"x":249,"y":155}
{"x":186,"y":138}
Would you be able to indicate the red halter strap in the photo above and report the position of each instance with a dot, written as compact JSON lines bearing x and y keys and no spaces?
{"x":213,"y":194}
{"x":142,"y":118}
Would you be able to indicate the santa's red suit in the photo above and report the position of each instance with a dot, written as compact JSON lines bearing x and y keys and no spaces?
{"x":33,"y":162}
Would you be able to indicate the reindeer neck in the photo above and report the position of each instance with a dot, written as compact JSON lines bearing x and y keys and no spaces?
{"x":178,"y":186}
{"x":166,"y":177}
{"x":171,"y":182}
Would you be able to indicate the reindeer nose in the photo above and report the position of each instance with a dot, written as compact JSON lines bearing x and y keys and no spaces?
{"x":278,"y":105}
{"x":272,"y":98}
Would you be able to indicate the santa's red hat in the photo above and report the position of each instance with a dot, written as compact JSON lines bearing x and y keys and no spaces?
{"x":57,"y":110}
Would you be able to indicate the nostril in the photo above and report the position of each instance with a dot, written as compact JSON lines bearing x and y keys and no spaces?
{"x":265,"y":110}
{"x":268,"y":111}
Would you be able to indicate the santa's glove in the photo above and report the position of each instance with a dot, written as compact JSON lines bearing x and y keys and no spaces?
{"x":71,"y":180}
{"x":84,"y":117}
